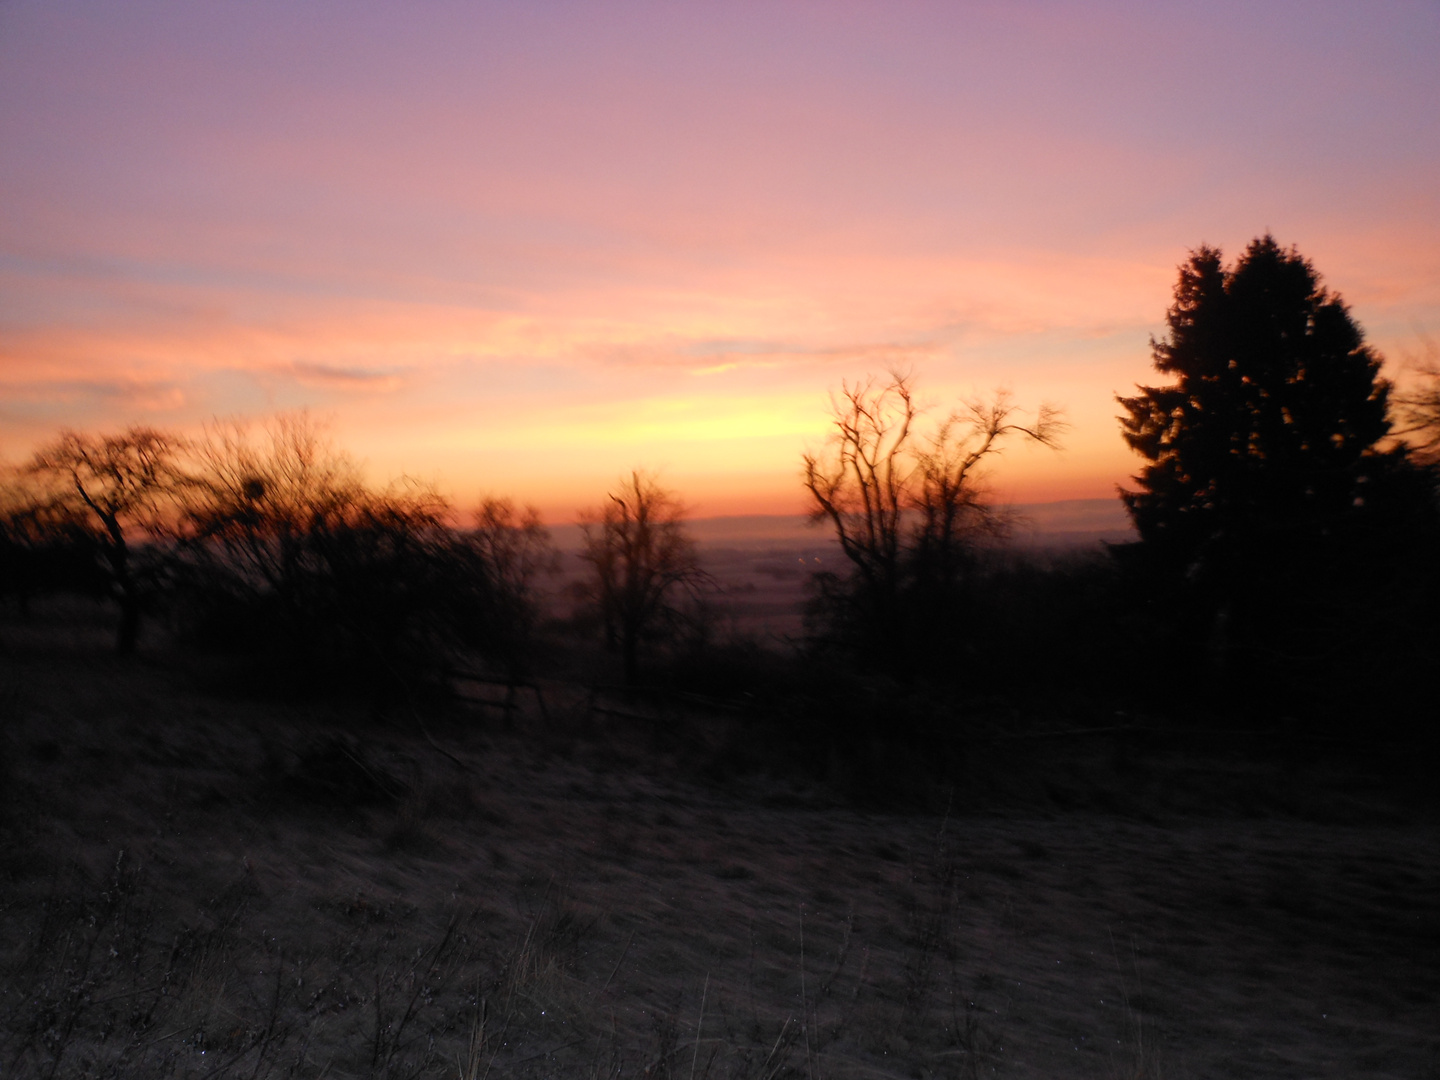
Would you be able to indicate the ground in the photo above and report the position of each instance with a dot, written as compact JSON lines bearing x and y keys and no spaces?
{"x":198,"y":883}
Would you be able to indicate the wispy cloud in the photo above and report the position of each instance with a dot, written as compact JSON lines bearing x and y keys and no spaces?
{"x":126,"y":395}
{"x":719,"y":355}
{"x":343,"y":378}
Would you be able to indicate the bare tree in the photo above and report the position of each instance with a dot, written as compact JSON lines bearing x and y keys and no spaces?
{"x":642,"y":557}
{"x":119,"y":488}
{"x":509,"y":551}
{"x":514,"y":544}
{"x":1419,"y":409}
{"x":906,"y":499}
{"x":44,"y":545}
{"x":261,"y":500}
{"x":290,"y":552}
{"x":862,"y":484}
{"x":950,"y":498}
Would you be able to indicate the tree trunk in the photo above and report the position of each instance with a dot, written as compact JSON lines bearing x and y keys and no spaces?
{"x":125,"y":594}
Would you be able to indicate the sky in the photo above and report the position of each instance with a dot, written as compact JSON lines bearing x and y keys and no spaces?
{"x":523,"y":249}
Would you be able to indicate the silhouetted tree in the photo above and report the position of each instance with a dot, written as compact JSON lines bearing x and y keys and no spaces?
{"x":1276,"y":404}
{"x":642,"y":558}
{"x":908,"y":508}
{"x":261,"y":503}
{"x":508,"y":551}
{"x":44,"y":547}
{"x":290,"y":553}
{"x":118,"y":489}
{"x":1270,"y":519}
{"x":1419,"y":410}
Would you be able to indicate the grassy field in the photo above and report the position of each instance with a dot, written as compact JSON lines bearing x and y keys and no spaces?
{"x":197,"y":883}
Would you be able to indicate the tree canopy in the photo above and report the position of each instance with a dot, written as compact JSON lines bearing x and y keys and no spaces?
{"x":1277,"y":403}
{"x":1280,"y":531}
{"x":117,"y":489}
{"x":642,"y":558}
{"x":1420,"y":410}
{"x":906,"y":500}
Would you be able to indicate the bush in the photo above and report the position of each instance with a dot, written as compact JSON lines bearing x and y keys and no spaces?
{"x":288,"y":557}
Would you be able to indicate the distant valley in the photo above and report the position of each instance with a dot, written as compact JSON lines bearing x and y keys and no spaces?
{"x":1063,"y":524}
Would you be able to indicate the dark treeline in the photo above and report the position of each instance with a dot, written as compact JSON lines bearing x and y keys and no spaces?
{"x":1286,"y":576}
{"x":268,"y":544}
{"x":1289,"y":546}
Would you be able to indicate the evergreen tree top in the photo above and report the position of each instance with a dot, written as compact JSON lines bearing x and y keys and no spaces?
{"x":1276,"y":402}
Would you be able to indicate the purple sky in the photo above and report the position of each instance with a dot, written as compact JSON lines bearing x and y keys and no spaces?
{"x":524,"y":248}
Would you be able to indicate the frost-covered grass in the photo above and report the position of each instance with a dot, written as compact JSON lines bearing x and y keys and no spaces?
{"x":199,"y":885}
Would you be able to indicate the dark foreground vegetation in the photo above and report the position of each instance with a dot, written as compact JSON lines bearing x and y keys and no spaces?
{"x":1286,"y":576}
{"x":198,"y":883}
{"x":308,"y":778}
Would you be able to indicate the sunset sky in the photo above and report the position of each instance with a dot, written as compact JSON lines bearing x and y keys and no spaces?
{"x":523,"y":248}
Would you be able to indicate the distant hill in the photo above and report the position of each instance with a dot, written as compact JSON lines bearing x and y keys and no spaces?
{"x":1072,"y":523}
{"x":1068,"y":523}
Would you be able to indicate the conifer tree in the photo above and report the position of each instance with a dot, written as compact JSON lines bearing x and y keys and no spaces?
{"x":1277,"y":406}
{"x":1277,"y":532}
